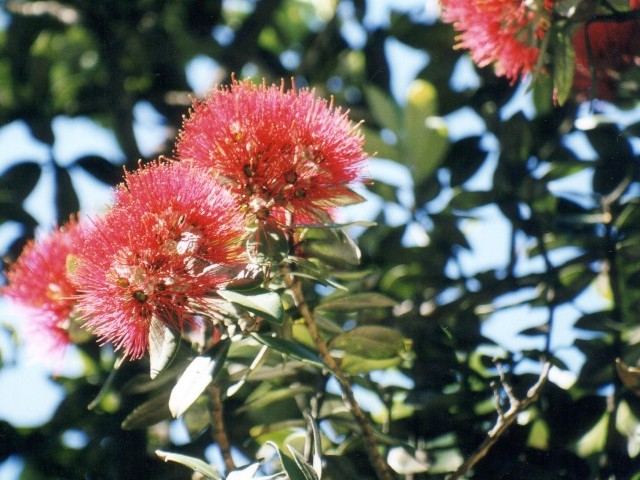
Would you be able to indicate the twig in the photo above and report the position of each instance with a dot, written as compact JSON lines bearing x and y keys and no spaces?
{"x":218,"y":430}
{"x":504,"y":420}
{"x":381,"y":467}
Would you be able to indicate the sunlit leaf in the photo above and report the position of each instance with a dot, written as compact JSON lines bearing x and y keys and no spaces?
{"x":293,"y":349}
{"x":197,"y":376}
{"x":194,"y":464}
{"x":356,"y":301}
{"x":262,"y":302}
{"x":163,"y":344}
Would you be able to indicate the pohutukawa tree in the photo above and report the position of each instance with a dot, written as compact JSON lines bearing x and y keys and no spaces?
{"x":232,"y":324}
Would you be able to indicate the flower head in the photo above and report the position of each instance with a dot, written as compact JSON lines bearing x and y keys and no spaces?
{"x":506,"y":33}
{"x":38,"y":281}
{"x":281,"y":153}
{"x":158,"y":253}
{"x":614,"y":49}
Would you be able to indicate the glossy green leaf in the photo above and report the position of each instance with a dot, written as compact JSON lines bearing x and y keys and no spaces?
{"x":293,"y":349}
{"x":195,"y":464}
{"x":196,"y":377}
{"x":289,"y":466}
{"x":370,"y":341}
{"x":260,"y":301}
{"x":563,"y":66}
{"x":274,"y":396}
{"x":163,"y":345}
{"x":356,"y":301}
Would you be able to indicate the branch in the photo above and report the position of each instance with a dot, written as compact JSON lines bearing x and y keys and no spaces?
{"x":505,"y":419}
{"x":218,"y":430}
{"x":382,"y":469}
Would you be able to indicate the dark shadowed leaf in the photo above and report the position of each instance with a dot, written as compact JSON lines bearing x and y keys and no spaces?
{"x":149,"y":413}
{"x":101,"y":168}
{"x":19,"y":180}
{"x":66,"y":199}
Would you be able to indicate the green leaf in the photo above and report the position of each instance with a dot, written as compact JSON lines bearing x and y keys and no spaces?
{"x":260,"y":301}
{"x":289,"y":466}
{"x":357,"y":301}
{"x":426,"y":139}
{"x":383,"y":108}
{"x":196,"y":377}
{"x":370,"y":341}
{"x":274,"y":396}
{"x":377,"y":147}
{"x":295,"y":350}
{"x":337,"y":250}
{"x":101,"y":169}
{"x":630,"y":376}
{"x":193,"y":463}
{"x":66,"y":199}
{"x":563,"y":66}
{"x":246,"y":473}
{"x":317,"y":443}
{"x":163,"y":345}
{"x":306,"y":469}
{"x":149,"y":413}
{"x":20,"y":180}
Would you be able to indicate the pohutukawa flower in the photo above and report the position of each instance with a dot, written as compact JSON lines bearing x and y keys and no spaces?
{"x":38,"y":281}
{"x":281,"y":153}
{"x":166,"y":244}
{"x":505,"y":33}
{"x":614,"y":47}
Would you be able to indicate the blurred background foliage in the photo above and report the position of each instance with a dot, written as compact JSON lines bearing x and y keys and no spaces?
{"x":456,"y":148}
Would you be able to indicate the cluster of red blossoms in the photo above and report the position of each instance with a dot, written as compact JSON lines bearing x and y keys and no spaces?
{"x":247,"y":156}
{"x":509,"y":34}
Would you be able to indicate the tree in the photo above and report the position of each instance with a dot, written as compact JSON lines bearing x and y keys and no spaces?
{"x":346,"y":351}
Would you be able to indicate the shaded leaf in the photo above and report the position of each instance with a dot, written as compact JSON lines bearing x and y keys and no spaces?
{"x":149,"y":413}
{"x":101,"y":168}
{"x":19,"y":180}
{"x":66,"y":199}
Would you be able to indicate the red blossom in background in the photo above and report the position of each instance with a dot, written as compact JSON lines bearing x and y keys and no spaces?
{"x":281,"y":153}
{"x":158,"y":253}
{"x":615,"y":47}
{"x":505,"y":33}
{"x":38,"y":281}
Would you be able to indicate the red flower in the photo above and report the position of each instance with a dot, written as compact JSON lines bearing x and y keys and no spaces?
{"x":281,"y":153}
{"x":160,"y":251}
{"x":615,"y":47}
{"x":38,"y":281}
{"x":506,"y":33}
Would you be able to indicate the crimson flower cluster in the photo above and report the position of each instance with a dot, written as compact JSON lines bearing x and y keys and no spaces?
{"x":177,"y":231}
{"x":508,"y":34}
{"x":505,"y":33}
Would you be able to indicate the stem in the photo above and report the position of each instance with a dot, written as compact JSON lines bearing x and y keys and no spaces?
{"x":218,"y":430}
{"x":383,"y":472}
{"x":504,"y":420}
